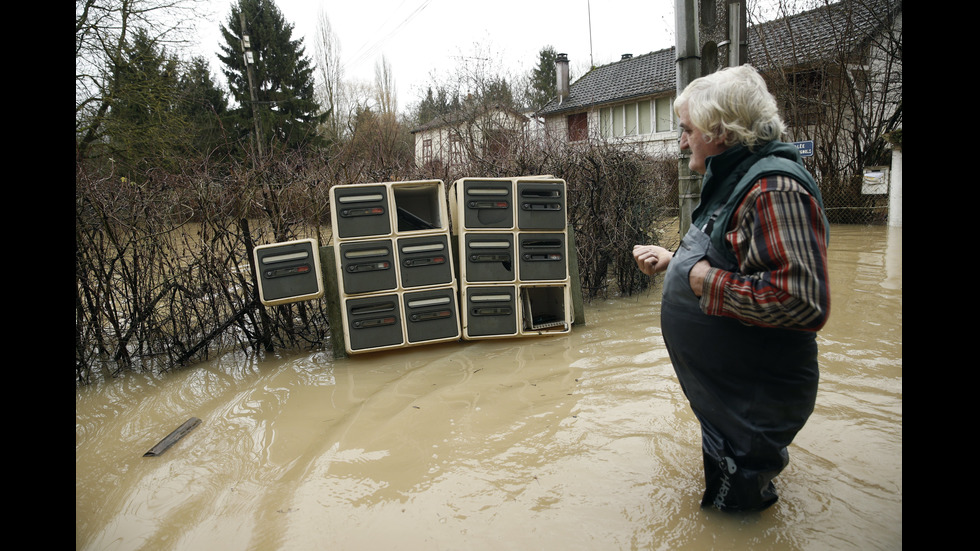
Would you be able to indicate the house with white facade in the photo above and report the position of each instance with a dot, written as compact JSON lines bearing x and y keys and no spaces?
{"x":838,"y":60}
{"x":475,"y":132}
{"x":630,"y":101}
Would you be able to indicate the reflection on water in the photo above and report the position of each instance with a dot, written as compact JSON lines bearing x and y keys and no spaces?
{"x":579,"y":441}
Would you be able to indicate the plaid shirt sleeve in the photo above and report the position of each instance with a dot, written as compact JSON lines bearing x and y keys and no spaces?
{"x":779,"y":239}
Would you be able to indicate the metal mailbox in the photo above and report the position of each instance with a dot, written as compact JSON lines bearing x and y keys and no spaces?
{"x":546,"y":309}
{"x":541,"y":205}
{"x":419,"y":206}
{"x":360,"y":211}
{"x":487,"y":204}
{"x":288,"y":272}
{"x":489,"y":257}
{"x":491,"y":311}
{"x":431,"y":315}
{"x":373,"y":322}
{"x":368,"y":266}
{"x":425,"y":261}
{"x":542,"y":256}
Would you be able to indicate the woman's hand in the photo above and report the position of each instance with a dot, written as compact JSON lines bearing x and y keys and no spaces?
{"x":697,"y":275}
{"x":651,"y":259}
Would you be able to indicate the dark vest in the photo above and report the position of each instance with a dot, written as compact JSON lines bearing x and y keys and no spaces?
{"x":731,"y":174}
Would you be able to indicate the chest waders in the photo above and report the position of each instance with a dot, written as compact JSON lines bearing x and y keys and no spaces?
{"x":751,"y":388}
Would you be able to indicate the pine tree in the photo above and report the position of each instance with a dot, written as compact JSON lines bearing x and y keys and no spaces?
{"x":496,"y":92}
{"x":204,"y":105}
{"x":104,"y":29}
{"x":283,"y":76}
{"x":434,"y":104}
{"x":144,"y":126}
{"x":543,"y":79}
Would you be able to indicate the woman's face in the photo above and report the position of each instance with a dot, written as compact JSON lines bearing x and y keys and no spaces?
{"x":693,"y":140}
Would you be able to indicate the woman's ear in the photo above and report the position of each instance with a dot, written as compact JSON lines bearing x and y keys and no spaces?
{"x":720,"y":136}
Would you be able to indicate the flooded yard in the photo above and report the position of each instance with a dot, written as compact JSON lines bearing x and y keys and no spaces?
{"x":577,"y":441}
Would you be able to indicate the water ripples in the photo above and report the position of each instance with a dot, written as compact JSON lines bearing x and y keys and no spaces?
{"x":577,"y":441}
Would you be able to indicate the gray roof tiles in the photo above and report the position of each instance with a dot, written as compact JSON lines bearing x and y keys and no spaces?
{"x":640,"y":75}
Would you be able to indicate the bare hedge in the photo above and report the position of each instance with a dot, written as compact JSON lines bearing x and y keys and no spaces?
{"x":162,"y":265}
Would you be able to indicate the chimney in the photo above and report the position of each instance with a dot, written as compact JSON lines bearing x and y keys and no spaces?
{"x":626,"y":56}
{"x":561,"y":68}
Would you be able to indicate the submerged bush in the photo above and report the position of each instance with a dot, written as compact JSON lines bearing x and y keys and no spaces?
{"x":162,"y":265}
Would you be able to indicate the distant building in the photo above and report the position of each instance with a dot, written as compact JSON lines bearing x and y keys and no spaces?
{"x":630,"y":101}
{"x":807,"y":58}
{"x":476,"y":132}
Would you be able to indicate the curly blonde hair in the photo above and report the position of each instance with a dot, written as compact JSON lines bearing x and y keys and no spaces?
{"x":733,"y":104}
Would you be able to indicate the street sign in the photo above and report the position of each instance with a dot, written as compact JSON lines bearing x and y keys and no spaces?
{"x":805,"y":148}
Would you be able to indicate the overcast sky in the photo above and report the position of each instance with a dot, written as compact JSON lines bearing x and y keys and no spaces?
{"x":426,"y":39}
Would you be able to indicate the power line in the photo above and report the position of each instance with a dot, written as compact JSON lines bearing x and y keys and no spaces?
{"x":363,"y":54}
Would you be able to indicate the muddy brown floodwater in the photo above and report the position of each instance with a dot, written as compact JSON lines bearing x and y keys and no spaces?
{"x":578,"y":441}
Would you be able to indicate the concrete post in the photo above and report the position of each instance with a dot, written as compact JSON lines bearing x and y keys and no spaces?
{"x":895,"y":189}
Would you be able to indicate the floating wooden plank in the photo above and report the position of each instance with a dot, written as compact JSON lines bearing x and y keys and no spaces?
{"x":173,"y":437}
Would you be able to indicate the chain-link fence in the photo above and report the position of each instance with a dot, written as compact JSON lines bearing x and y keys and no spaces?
{"x":859,"y":199}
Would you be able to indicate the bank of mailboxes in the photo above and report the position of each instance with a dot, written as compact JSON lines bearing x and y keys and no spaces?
{"x":394,"y":261}
{"x":404,"y":280}
{"x":513,"y":256}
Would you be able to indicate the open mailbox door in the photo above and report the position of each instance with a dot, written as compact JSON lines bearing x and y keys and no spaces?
{"x":288,"y":272}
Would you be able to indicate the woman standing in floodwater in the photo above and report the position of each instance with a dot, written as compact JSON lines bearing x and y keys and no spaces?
{"x":748,"y":288}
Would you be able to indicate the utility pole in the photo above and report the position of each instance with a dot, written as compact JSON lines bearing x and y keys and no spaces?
{"x":737,"y":29}
{"x":271,"y":197}
{"x":704,"y":30}
{"x":249,"y":62}
{"x":688,"y":69}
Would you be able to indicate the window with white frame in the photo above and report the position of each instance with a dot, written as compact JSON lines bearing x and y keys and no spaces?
{"x":637,"y":118}
{"x":666,"y":121}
